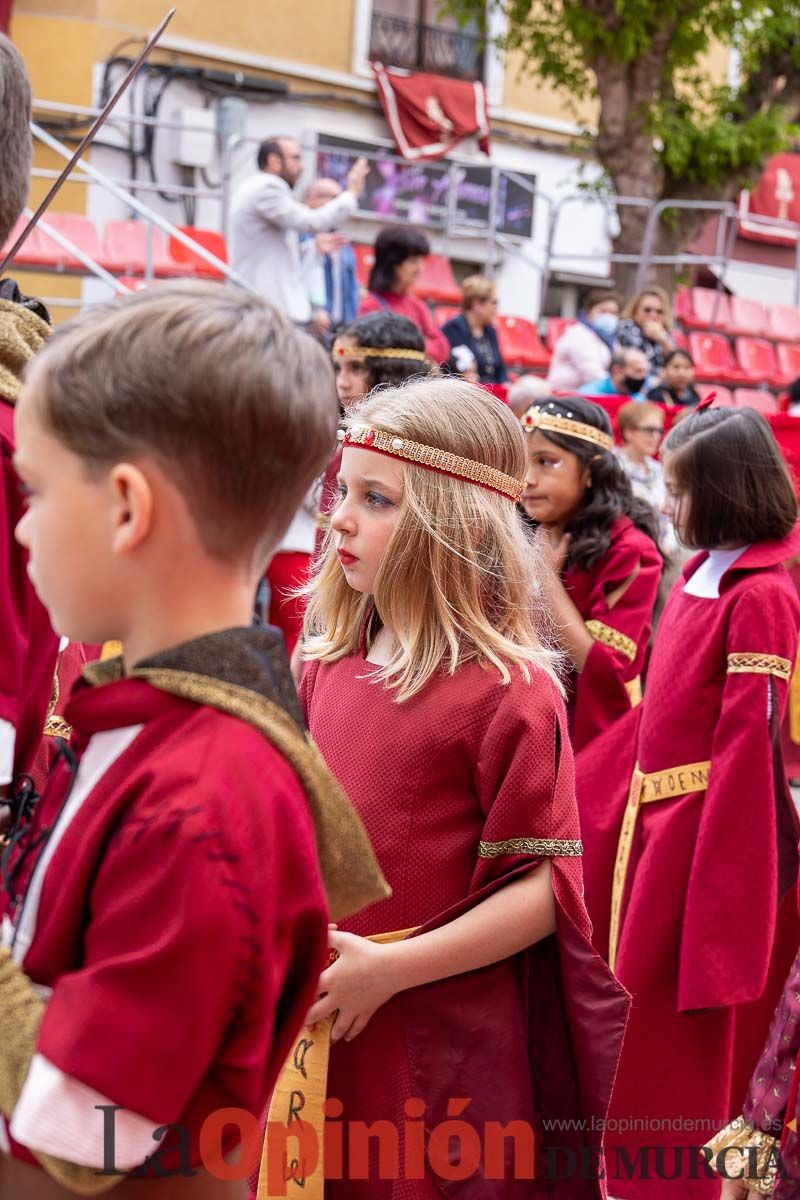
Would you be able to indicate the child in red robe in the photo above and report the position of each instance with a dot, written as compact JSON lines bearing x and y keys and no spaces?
{"x":164,"y":919}
{"x":690,"y":829}
{"x":605,"y":562}
{"x":435,"y":703}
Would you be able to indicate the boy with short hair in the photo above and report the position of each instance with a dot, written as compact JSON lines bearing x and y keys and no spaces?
{"x":164,"y":896}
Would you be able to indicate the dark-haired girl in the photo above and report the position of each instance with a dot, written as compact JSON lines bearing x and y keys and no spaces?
{"x":400,"y":253}
{"x":689,"y":826}
{"x":606,"y":564}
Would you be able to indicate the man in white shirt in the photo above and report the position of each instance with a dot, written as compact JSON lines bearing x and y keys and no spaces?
{"x":266,"y":223}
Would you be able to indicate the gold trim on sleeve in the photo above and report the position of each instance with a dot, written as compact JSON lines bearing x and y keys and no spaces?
{"x":541,"y":847}
{"x":56,"y":726}
{"x":745,"y":1138}
{"x":613,"y":638}
{"x":751,"y":663}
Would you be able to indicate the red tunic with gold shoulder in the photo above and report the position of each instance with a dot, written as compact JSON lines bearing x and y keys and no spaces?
{"x":705,"y":920}
{"x":462,"y":788}
{"x":603,"y":691}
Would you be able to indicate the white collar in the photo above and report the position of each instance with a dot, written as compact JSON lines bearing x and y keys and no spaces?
{"x":708,"y":576}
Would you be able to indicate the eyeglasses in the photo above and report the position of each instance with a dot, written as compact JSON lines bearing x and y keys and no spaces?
{"x":647,"y":308}
{"x":651,"y":429}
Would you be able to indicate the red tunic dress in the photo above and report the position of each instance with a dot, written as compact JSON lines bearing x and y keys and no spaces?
{"x":708,"y":922}
{"x":598,"y":694}
{"x":176,"y":914}
{"x":28,"y":645}
{"x":461,"y":788}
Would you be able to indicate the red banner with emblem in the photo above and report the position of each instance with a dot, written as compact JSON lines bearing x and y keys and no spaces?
{"x":430,"y":114}
{"x":777,"y":195}
{"x":5,"y":15}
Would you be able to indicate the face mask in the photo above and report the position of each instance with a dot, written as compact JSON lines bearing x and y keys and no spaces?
{"x":632,"y":385}
{"x":606,"y":323}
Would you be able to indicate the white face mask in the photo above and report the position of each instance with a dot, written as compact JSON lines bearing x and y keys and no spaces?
{"x":606,"y":323}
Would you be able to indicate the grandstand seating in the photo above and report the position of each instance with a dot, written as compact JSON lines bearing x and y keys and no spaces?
{"x":555,"y":327}
{"x":445,"y":312}
{"x":208,"y":238}
{"x":788,"y":357}
{"x":702,"y":308}
{"x":722,"y":394}
{"x":520,"y":343}
{"x":763,"y":402}
{"x":756,"y":357}
{"x":714,"y":361}
{"x":436,"y":281}
{"x":783,"y":323}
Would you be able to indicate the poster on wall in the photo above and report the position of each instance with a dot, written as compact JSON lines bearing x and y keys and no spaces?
{"x":417,"y":192}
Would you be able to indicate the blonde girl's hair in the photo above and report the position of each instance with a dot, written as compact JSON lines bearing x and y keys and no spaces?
{"x":660,"y":294}
{"x":460,"y":579}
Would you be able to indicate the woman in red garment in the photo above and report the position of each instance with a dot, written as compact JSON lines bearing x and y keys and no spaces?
{"x":605,"y":563}
{"x":435,"y":703}
{"x":399,"y":255}
{"x":690,"y":829}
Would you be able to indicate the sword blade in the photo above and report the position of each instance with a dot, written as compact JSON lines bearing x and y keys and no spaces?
{"x":86,"y":141}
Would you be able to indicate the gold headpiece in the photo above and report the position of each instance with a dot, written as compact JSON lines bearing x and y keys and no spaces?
{"x":435,"y":460}
{"x":540,"y":418}
{"x":379,"y":352}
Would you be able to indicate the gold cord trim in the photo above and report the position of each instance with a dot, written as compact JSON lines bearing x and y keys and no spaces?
{"x":742,"y":1136}
{"x":378,"y":352}
{"x":56,"y":726}
{"x":435,"y":460}
{"x":751,"y":663}
{"x":541,"y":847}
{"x":540,"y":418}
{"x":613,"y":638}
{"x":645,"y":789}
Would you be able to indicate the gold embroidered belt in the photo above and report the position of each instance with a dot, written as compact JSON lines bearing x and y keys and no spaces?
{"x":299,"y":1096}
{"x":646,"y":789}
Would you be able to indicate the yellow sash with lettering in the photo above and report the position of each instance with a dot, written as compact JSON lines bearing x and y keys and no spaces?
{"x":645,"y":789}
{"x":299,"y":1095}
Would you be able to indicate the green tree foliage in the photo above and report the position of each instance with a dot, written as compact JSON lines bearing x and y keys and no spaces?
{"x":665,"y":129}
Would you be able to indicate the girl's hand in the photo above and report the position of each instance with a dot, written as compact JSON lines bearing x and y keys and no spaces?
{"x":357,"y":984}
{"x":736,"y":1189}
{"x":556,"y":548}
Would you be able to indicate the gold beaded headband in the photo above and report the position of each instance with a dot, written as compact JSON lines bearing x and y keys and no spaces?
{"x":378,"y":352}
{"x":435,"y":460}
{"x":540,"y":418}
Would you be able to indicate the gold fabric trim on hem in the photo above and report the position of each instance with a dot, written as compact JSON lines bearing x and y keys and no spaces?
{"x":752,"y":663}
{"x":541,"y":847}
{"x":349,"y":868}
{"x":646,"y":789}
{"x":613,"y":638}
{"x":740,"y":1135}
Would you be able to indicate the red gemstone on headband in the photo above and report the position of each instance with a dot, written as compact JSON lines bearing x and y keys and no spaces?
{"x":370,"y":438}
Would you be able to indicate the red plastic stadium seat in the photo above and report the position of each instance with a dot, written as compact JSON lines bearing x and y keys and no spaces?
{"x":365,"y":261}
{"x":520,"y":343}
{"x":763,"y":402}
{"x":783,"y":322}
{"x":133,"y":285}
{"x":703,"y":308}
{"x":445,"y":312}
{"x":748,"y":317}
{"x":714,"y":361}
{"x":125,"y":248}
{"x":35,"y":252}
{"x":190,"y":260}
{"x":555,"y":327}
{"x":757,"y":359}
{"x":680,"y":339}
{"x":79,"y":230}
{"x":788,"y":357}
{"x":723,"y":395}
{"x":437,"y":282}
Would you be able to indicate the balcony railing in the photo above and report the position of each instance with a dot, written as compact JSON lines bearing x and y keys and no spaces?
{"x":398,"y":42}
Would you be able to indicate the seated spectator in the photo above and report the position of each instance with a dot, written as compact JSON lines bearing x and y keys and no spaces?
{"x":583,"y":351}
{"x":399,"y":254}
{"x":329,"y":264}
{"x":627,"y":376}
{"x":474,"y":329}
{"x":646,"y":324}
{"x":677,"y":386}
{"x":524,"y":391}
{"x":793,"y":398}
{"x":641,"y":429}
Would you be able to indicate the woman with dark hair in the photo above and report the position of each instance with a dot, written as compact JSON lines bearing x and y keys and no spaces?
{"x":604,"y":554}
{"x":399,"y":254}
{"x":689,"y":826}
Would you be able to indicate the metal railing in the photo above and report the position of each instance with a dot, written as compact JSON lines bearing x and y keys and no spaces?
{"x":399,"y":42}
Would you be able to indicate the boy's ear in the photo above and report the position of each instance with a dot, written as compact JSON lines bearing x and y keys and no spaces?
{"x":132,"y":501}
